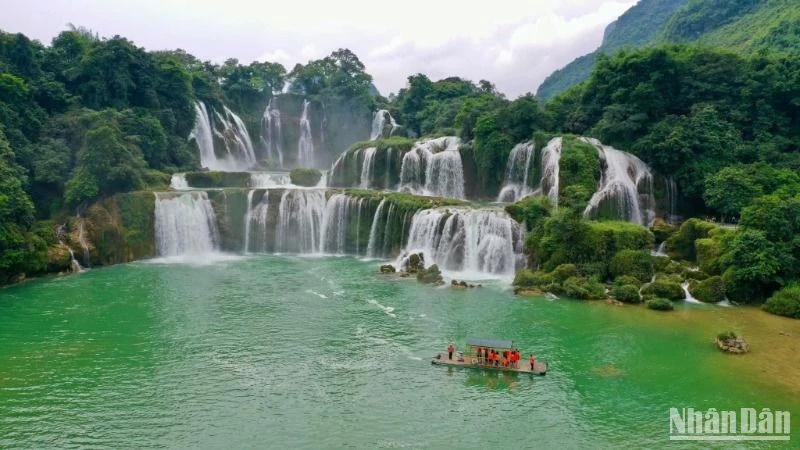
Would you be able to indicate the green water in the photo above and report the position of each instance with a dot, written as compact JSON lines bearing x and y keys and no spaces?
{"x":285,"y":352}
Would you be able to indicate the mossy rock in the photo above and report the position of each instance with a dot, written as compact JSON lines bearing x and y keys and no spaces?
{"x":660,"y":304}
{"x":662,"y":230}
{"x":583,"y":289}
{"x":664,"y":289}
{"x":214,"y":180}
{"x":388,"y":268}
{"x":626,"y":293}
{"x":785,"y":302}
{"x":526,"y":278}
{"x":681,"y":245}
{"x":431,"y":275}
{"x":627,"y":279}
{"x":710,"y":290}
{"x":305,"y":177}
{"x":561,"y":273}
{"x":635,"y":263}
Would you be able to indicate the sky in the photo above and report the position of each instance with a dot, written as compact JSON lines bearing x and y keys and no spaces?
{"x":515,"y":44}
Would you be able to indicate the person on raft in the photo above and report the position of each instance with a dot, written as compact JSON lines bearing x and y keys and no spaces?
{"x":450,"y":349}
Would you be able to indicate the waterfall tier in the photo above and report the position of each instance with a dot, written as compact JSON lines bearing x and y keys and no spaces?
{"x":433,"y":167}
{"x":215,"y":132}
{"x":271,"y":134}
{"x":383,"y":125}
{"x":469,"y":240}
{"x":305,"y":145}
{"x":626,"y":187}
{"x":518,"y":170}
{"x":185,"y":224}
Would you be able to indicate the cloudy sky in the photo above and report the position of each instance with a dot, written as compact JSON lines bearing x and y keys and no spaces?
{"x":513,"y":43}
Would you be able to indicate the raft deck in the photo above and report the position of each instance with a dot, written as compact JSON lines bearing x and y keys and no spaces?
{"x":539,"y":368}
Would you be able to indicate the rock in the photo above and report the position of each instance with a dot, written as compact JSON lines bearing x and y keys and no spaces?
{"x":404,"y":274}
{"x":455,"y":284}
{"x":527,"y":292}
{"x":731,"y":343}
{"x":415,"y":263}
{"x":431,"y":275}
{"x":388,"y":268}
{"x":614,"y":302}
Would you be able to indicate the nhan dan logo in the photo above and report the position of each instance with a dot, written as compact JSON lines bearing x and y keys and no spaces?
{"x":746,"y":424}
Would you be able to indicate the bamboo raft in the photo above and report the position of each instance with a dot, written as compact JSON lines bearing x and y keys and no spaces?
{"x":539,"y":368}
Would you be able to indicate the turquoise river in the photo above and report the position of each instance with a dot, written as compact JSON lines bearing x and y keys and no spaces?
{"x":290,"y":352}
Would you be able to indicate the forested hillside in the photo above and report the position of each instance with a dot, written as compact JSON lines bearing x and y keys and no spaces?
{"x":741,"y":25}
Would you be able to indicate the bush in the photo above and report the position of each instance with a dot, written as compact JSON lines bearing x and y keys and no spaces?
{"x":710,"y":290}
{"x":636,"y":263}
{"x":561,"y":273}
{"x":708,"y":253}
{"x":785,"y":302}
{"x":681,"y":244}
{"x":662,"y":230}
{"x":305,"y":177}
{"x":531,"y":210}
{"x":660,"y":263}
{"x":660,"y":304}
{"x":627,"y":279}
{"x":526,"y":278}
{"x":626,"y":293}
{"x":207,"y":180}
{"x":581,"y":288}
{"x":726,"y":335}
{"x":664,"y":289}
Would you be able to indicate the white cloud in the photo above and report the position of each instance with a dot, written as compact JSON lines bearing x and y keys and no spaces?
{"x":515,"y":43}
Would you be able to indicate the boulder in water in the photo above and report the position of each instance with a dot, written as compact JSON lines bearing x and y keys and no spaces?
{"x":415,"y":263}
{"x":730,"y":342}
{"x":431,"y":275}
{"x":388,"y":268}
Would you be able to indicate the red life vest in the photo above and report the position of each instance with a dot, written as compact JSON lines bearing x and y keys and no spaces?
{"x":451,"y":348}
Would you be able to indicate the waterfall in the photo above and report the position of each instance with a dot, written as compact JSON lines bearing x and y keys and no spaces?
{"x":87,"y":256}
{"x":368,"y":167}
{"x":178,"y":182}
{"x":688,"y":297}
{"x":271,"y":132}
{"x":661,"y":250}
{"x":185,"y":224}
{"x":433,"y":167}
{"x":379,"y":125}
{"x":262,"y":180}
{"x":335,"y":224}
{"x":551,"y":158}
{"x":305,"y":146}
{"x":483,"y":241}
{"x":373,"y":230}
{"x":518,"y":170}
{"x":623,"y":176}
{"x":202,"y":134}
{"x":299,"y":221}
{"x":671,"y":200}
{"x":248,"y":217}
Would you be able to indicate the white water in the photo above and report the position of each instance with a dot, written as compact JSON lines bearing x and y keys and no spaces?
{"x":688,"y":295}
{"x":202,"y":134}
{"x":305,"y":145}
{"x":262,"y":180}
{"x":231,"y":131}
{"x":368,"y":167}
{"x":661,"y":250}
{"x":271,"y":132}
{"x":185,"y":224}
{"x":551,"y":159}
{"x":379,"y":125}
{"x":518,"y":169}
{"x":178,"y":182}
{"x":433,"y":167}
{"x":620,"y":184}
{"x":300,"y":220}
{"x":335,"y":221}
{"x":484,"y":241}
{"x":373,"y":231}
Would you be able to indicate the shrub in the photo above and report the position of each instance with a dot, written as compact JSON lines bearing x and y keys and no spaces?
{"x":660,"y":263}
{"x":660,"y":304}
{"x":531,"y":210}
{"x":681,"y":244}
{"x":664,"y":289}
{"x":581,"y":288}
{"x":563,"y":272}
{"x":710,"y":290}
{"x":206,"y":180}
{"x":626,"y":293}
{"x":636,"y":263}
{"x":662,"y":230}
{"x":726,"y":335}
{"x":528,"y":278}
{"x":627,"y":279}
{"x":708,"y":253}
{"x":785,"y":302}
{"x":305,"y":177}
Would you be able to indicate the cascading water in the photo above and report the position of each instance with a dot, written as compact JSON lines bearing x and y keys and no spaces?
{"x":178,"y":182}
{"x":373,"y":231}
{"x":336,"y":221}
{"x":305,"y":146}
{"x":551,"y":159}
{"x":203,"y":135}
{"x":262,"y":180}
{"x":368,"y":167}
{"x":671,"y":200}
{"x":271,"y":132}
{"x":300,"y":220}
{"x":469,"y":240}
{"x":518,"y":170}
{"x":623,"y":177}
{"x":379,"y":122}
{"x":185,"y":224}
{"x":433,"y":167}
